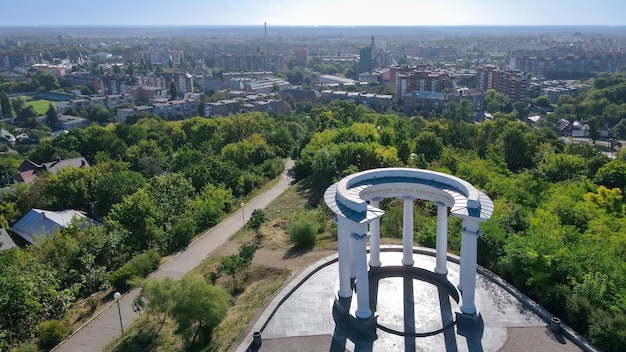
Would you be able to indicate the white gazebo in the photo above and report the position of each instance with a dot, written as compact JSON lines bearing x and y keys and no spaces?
{"x":349,"y":198}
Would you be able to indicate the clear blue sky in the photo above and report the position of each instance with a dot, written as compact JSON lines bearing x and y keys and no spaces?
{"x":312,"y":12}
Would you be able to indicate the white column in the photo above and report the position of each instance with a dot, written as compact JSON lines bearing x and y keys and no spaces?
{"x":442,"y":239}
{"x":352,"y":250}
{"x":375,"y":237}
{"x":358,"y":242}
{"x":469,"y":248}
{"x":407,"y":232}
{"x":343,"y":233}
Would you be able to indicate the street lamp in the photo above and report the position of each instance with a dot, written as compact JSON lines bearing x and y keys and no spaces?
{"x":117,"y":296}
{"x":243,"y":216}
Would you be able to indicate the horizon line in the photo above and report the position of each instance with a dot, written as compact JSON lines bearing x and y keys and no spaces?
{"x":311,"y":25}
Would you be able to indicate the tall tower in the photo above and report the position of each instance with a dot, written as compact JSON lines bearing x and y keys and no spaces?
{"x":373,"y":59}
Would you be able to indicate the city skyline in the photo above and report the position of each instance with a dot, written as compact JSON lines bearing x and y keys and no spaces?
{"x":315,"y":13}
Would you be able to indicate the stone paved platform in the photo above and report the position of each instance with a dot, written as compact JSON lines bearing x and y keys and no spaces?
{"x":306,"y":315}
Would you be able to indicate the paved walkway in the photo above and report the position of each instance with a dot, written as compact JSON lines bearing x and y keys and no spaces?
{"x":306,"y":315}
{"x":99,"y":332}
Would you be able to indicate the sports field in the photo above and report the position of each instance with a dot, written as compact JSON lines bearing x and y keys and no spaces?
{"x":40,"y":105}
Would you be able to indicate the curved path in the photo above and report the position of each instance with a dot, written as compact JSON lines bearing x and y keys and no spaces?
{"x":99,"y":331}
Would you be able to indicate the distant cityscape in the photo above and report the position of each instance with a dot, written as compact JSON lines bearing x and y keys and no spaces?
{"x":414,"y":70}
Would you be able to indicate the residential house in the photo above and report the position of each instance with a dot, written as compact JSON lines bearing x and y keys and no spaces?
{"x":43,"y":223}
{"x":300,"y":95}
{"x":28,"y":170}
{"x":67,"y":122}
{"x":6,"y":241}
{"x":7,"y":136}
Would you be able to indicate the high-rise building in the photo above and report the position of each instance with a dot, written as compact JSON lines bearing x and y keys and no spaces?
{"x":365,"y":60}
{"x":301,"y":56}
{"x":512,"y":83}
{"x":421,"y":78}
{"x":570,"y":66}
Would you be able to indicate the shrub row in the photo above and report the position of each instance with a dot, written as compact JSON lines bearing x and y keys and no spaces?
{"x":140,"y":266}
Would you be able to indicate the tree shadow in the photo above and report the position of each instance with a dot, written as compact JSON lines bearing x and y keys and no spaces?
{"x":140,"y":341}
{"x":313,"y":195}
{"x":297,"y":251}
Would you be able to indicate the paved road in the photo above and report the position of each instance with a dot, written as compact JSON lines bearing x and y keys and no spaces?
{"x":106,"y":326}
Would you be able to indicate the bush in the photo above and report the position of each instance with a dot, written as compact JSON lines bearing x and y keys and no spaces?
{"x":140,"y":266}
{"x":26,"y":347}
{"x":92,"y":303}
{"x":303,"y":231}
{"x":50,"y":333}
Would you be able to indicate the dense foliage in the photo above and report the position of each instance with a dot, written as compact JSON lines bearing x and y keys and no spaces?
{"x":558,"y":228}
{"x":556,"y":233}
{"x":153,"y":185}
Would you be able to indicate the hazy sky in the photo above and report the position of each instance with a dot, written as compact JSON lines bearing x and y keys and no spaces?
{"x":312,"y":12}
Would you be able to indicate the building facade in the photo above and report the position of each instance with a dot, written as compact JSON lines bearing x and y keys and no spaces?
{"x":512,"y":83}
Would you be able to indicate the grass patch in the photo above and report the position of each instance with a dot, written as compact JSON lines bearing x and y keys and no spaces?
{"x":40,"y":106}
{"x":260,"y":284}
{"x":264,"y":282}
{"x":142,"y":336}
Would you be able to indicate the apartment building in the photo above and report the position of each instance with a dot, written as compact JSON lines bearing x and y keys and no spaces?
{"x":82,"y":102}
{"x":512,"y":83}
{"x":171,"y":110}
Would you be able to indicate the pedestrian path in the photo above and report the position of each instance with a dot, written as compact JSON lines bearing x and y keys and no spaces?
{"x":101,"y":330}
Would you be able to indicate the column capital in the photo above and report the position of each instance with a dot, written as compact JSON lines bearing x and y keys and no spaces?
{"x":408,"y":198}
{"x":377,"y":199}
{"x":439,"y":204}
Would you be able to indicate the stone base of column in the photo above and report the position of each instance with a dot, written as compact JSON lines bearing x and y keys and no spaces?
{"x":471,"y":318}
{"x":441,"y":272}
{"x":470,"y":325}
{"x":356,"y":329}
{"x":374,"y":264}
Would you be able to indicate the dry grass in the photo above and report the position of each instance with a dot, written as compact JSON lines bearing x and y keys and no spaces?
{"x":266,"y":281}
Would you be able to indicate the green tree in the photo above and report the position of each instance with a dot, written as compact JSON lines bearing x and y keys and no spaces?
{"x":51,"y":114}
{"x":26,"y":115}
{"x":497,"y":102}
{"x":136,"y":218}
{"x":5,"y":104}
{"x":542,"y":102}
{"x":73,"y":188}
{"x":612,"y":175}
{"x":18,"y":104}
{"x":235,"y":264}
{"x":156,"y":298}
{"x":47,"y":81}
{"x":111,"y":188}
{"x":519,"y":146}
{"x":197,"y":308}
{"x":428,"y":144}
{"x":257,"y":218}
{"x":521,"y":110}
{"x":562,"y":167}
{"x":173,"y":91}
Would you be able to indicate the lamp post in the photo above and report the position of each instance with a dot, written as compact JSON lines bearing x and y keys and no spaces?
{"x":243,"y":216}
{"x":117,"y":296}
